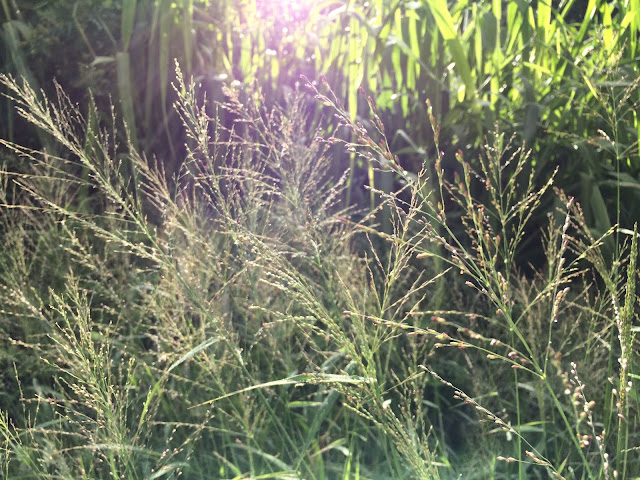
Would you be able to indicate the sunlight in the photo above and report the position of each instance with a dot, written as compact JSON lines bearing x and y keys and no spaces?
{"x":283,"y":10}
{"x":279,"y":29}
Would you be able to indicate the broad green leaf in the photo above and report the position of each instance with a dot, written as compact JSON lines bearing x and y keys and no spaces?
{"x":586,"y":21}
{"x":607,"y":23}
{"x":447,"y":29}
{"x":628,"y":18}
{"x":543,"y":17}
{"x":489,"y":28}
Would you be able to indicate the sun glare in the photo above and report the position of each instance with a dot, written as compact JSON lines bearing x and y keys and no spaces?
{"x":284,"y":10}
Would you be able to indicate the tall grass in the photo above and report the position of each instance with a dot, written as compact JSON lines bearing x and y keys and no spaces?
{"x":539,"y":69}
{"x":237,"y":322}
{"x":521,"y":322}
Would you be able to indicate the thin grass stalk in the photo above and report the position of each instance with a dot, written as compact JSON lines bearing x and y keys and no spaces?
{"x":624,"y":323}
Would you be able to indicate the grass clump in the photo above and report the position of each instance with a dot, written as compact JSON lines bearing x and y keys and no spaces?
{"x":235,"y":321}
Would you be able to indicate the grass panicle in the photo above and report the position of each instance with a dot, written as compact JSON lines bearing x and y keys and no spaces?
{"x":234,"y":320}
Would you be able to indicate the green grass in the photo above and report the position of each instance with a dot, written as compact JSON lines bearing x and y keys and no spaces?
{"x":552,"y":72}
{"x":236,"y":321}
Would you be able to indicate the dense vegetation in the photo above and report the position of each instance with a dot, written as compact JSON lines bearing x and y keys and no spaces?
{"x":335,"y":239}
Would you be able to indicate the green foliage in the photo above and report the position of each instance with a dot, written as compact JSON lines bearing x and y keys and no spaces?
{"x":208,"y":291}
{"x":535,"y":327}
{"x":553,"y":74}
{"x":157,"y":341}
{"x":238,"y":321}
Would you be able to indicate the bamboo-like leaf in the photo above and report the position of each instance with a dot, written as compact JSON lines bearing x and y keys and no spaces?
{"x":634,"y":26}
{"x":10,"y":35}
{"x":514,"y":27}
{"x":187,"y":33}
{"x":99,"y":60}
{"x":125,"y":92}
{"x":301,"y":379}
{"x":413,"y":65}
{"x":354,"y":69}
{"x":168,"y":469}
{"x":155,"y":390}
{"x":152,"y":68}
{"x":586,"y":21}
{"x":151,"y":394}
{"x":477,"y":43}
{"x":193,"y":352}
{"x":323,"y":412}
{"x":127,"y":22}
{"x":286,"y":469}
{"x":246,"y":61}
{"x":607,"y":23}
{"x":164,"y":35}
{"x":447,"y":29}
{"x":543,"y":18}
{"x":601,"y":219}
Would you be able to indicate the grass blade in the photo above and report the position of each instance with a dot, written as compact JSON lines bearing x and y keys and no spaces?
{"x":301,"y":379}
{"x":127,"y":22}
{"x":449,"y":33}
